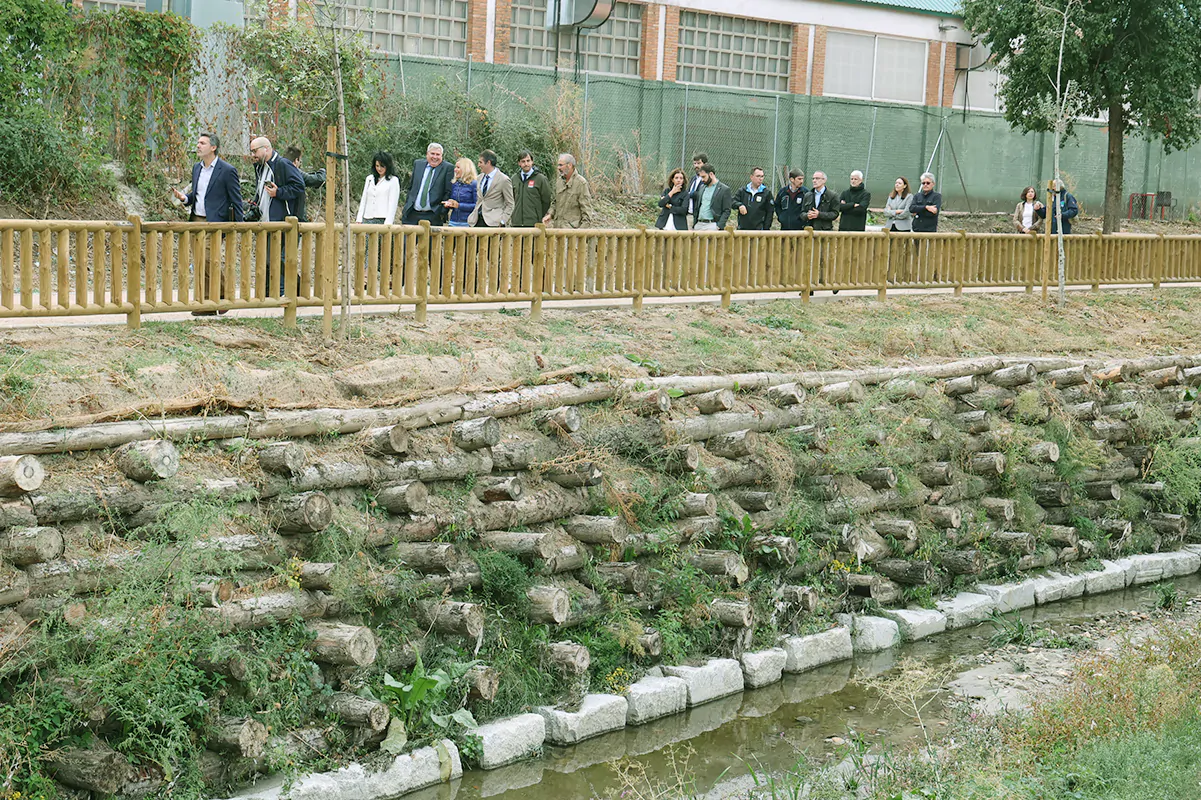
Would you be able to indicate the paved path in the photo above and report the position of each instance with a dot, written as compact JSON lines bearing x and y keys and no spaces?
{"x":823,"y":296}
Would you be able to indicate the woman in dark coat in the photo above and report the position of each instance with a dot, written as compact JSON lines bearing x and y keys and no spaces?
{"x":673,"y":204}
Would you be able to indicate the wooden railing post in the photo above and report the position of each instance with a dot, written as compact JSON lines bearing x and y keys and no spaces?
{"x":807,"y":269}
{"x":1094,"y":268}
{"x":133,"y":274}
{"x":423,"y":272}
{"x":640,"y":266}
{"x":291,"y":284}
{"x":882,"y":256}
{"x":727,"y":279}
{"x":330,"y":250}
{"x":539,"y":278}
{"x":1159,"y":264}
{"x":961,"y":266}
{"x":1047,"y":236}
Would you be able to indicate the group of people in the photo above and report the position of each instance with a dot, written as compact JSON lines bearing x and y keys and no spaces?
{"x":476,"y":194}
{"x":705,"y":203}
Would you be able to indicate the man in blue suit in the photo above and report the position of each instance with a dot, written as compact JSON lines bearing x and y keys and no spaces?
{"x":216,"y":195}
{"x":430,"y":185}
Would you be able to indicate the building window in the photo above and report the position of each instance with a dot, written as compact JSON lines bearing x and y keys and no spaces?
{"x":436,"y":28}
{"x":979,"y":90}
{"x":732,"y":51}
{"x":613,"y":49}
{"x":875,"y":67}
{"x":113,"y":5}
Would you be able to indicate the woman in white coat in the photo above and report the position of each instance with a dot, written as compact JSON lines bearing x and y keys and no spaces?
{"x":381,"y":192}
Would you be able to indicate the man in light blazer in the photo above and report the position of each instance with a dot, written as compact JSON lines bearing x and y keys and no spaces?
{"x":216,"y":195}
{"x":432,"y":178}
{"x":494,"y":195}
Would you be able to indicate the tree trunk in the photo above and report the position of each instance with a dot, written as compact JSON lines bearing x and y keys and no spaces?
{"x":1103,"y":490}
{"x":1061,"y":535}
{"x":390,"y":440}
{"x":961,"y":386}
{"x":406,"y":497}
{"x":845,"y":392}
{"x":497,"y":488}
{"x":648,"y":403}
{"x":779,"y":550}
{"x":549,"y":503}
{"x":14,"y":585}
{"x":723,"y":563}
{"x":944,"y":516}
{"x":902,"y":389}
{"x":626,"y":576}
{"x":879,"y":477}
{"x":724,"y":473}
{"x":575,"y":475}
{"x":548,"y":604}
{"x":20,"y":474}
{"x":733,"y":613}
{"x":936,"y":473}
{"x":1016,"y":375}
{"x":97,"y":768}
{"x":651,"y":642}
{"x":698,"y":504}
{"x":516,"y":452}
{"x":483,"y":683}
{"x":531,"y":545}
{"x":973,"y":421}
{"x":962,"y":562}
{"x":359,"y":712}
{"x":423,"y":556}
{"x":878,"y":588}
{"x":989,"y":464}
{"x":1000,"y":509}
{"x":25,"y":546}
{"x":267,"y":609}
{"x":753,"y":501}
{"x":1071,"y":376}
{"x":1115,"y":167}
{"x":714,"y":401}
{"x":570,"y":658}
{"x":475,"y":434}
{"x":449,"y":616}
{"x":1044,"y":452}
{"x":1013,"y":542}
{"x":738,"y":444}
{"x":562,"y":420}
{"x":242,"y":736}
{"x":909,"y":573}
{"x":903,"y":530}
{"x":307,"y":512}
{"x":282,"y":458}
{"x":151,"y":460}
{"x":786,"y":394}
{"x":597,"y":530}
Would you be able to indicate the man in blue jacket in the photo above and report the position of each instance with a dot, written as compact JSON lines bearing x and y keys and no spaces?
{"x":216,"y":195}
{"x":1069,"y":209}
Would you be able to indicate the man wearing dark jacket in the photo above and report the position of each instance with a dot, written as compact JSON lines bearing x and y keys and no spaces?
{"x":754,"y":204}
{"x":820,"y":208}
{"x":926,"y":206}
{"x":312,"y":180}
{"x":853,"y":203}
{"x":532,"y":193}
{"x":713,"y":202}
{"x":216,"y":195}
{"x":430,"y":185}
{"x":1070,"y":208}
{"x":789,"y":202}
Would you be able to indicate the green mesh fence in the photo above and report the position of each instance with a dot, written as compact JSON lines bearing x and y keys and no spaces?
{"x":636,"y":131}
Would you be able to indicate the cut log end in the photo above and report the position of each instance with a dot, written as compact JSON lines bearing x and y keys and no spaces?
{"x":149,"y":460}
{"x":20,"y":474}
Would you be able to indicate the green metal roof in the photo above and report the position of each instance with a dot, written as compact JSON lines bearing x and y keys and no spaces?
{"x":941,"y":7}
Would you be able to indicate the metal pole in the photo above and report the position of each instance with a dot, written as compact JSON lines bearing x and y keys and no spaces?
{"x":871,"y":141}
{"x":584,"y":141}
{"x":775,"y":137}
{"x":937,"y":142}
{"x":684,"y":135}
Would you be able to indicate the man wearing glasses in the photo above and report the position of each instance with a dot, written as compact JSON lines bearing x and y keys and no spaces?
{"x":926,"y":206}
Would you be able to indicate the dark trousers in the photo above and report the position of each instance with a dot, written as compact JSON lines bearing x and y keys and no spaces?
{"x":414,"y":217}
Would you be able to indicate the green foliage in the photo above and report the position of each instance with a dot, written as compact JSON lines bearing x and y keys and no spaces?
{"x":1179,"y":467}
{"x":505,"y":580}
{"x":422,"y":691}
{"x":1167,"y":596}
{"x":36,"y":34}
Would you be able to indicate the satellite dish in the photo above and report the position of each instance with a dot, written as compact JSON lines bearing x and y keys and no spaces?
{"x":568,"y":14}
{"x":974,"y":56}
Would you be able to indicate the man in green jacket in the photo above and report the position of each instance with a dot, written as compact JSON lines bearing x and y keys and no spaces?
{"x":532,"y":193}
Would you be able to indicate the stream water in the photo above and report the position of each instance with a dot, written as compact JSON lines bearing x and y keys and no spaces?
{"x":767,"y":728}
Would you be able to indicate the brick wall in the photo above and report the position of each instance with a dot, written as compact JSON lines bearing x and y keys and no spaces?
{"x":933,"y":57}
{"x":671,"y":43}
{"x":477,"y":29}
{"x":800,"y":59}
{"x":948,"y":78}
{"x":649,"y":62}
{"x":504,"y":26}
{"x":819,"y":60}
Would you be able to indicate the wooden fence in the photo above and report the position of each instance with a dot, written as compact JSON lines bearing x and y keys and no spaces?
{"x":50,"y":268}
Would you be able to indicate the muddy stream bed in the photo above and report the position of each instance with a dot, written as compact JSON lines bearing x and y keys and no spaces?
{"x":769,"y":729}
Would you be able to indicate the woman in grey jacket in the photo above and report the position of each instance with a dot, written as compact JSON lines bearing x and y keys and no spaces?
{"x":896,"y":210}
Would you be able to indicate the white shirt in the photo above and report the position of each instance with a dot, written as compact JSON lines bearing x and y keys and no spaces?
{"x":202,"y":187}
{"x":379,"y":200}
{"x":1027,"y":215}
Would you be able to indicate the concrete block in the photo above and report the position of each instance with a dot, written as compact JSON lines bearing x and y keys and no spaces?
{"x":966,"y":609}
{"x":598,"y":713}
{"x":1127,"y":567}
{"x":1110,"y":578}
{"x":1148,"y":568}
{"x":871,"y":634}
{"x":916,"y":623}
{"x":1184,"y":563}
{"x":718,"y":678}
{"x":409,"y":772}
{"x":652,"y":698}
{"x":1055,"y":587}
{"x":807,"y":652}
{"x":1010,"y":596}
{"x":764,"y":667}
{"x":514,"y":739}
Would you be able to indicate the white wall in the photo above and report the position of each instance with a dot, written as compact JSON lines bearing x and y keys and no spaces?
{"x":849,"y":16}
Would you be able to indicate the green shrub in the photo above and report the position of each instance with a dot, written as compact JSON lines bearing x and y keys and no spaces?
{"x":45,"y":160}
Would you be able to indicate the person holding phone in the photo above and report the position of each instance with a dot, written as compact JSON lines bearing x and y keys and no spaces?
{"x":278,"y":189}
